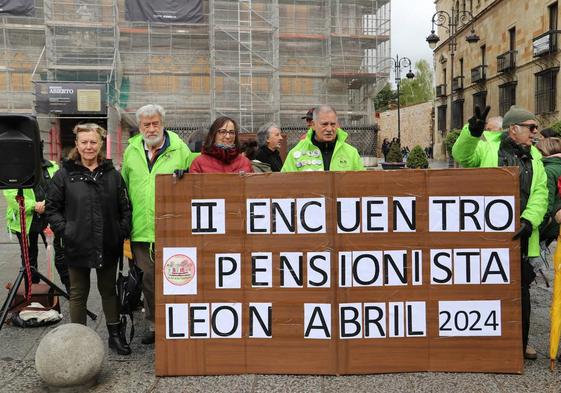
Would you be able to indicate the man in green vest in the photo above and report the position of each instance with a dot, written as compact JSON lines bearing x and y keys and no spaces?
{"x":324,"y":148}
{"x":512,"y":147}
{"x":153,"y":151}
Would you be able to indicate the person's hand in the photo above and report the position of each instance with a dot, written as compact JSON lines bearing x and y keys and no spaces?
{"x":178,"y":173}
{"x":478,"y":121}
{"x":525,"y":230}
{"x":558,"y":216}
{"x":40,"y":207}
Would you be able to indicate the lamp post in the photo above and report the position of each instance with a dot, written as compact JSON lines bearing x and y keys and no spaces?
{"x":397,"y":64}
{"x":451,"y":23}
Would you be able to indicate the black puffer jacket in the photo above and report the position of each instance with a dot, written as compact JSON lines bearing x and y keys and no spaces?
{"x":90,"y":211}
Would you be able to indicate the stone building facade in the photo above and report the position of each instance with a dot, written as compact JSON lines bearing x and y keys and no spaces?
{"x":515,"y":61}
{"x":416,"y":126}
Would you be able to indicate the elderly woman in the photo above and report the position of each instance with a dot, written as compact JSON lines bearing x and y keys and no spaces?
{"x":221,"y":150}
{"x":269,"y":138}
{"x":87,"y":205}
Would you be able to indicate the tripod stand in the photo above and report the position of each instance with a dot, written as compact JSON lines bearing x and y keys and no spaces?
{"x":22,"y":271}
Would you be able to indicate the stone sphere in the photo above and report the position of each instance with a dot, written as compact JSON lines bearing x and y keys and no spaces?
{"x":70,"y":355}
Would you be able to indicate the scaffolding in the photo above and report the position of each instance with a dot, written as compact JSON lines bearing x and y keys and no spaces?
{"x":21,"y":43}
{"x":81,"y":41}
{"x":253,"y":60}
{"x":259,"y":60}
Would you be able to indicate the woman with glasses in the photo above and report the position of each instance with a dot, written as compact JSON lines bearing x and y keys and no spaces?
{"x":221,"y":150}
{"x":87,"y":206}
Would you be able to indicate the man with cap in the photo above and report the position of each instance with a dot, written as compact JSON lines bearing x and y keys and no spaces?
{"x":512,"y":147}
{"x":324,"y":148}
{"x":309,"y":117}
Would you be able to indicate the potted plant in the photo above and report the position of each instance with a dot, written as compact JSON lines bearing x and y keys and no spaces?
{"x":395,"y":158}
{"x":417,"y":159}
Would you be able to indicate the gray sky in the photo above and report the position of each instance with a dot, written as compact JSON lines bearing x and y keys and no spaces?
{"x":411,"y":24}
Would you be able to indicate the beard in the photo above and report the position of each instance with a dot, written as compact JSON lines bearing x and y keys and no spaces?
{"x":154,"y":141}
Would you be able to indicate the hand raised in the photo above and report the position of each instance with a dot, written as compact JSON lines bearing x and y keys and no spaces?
{"x":478,"y":121}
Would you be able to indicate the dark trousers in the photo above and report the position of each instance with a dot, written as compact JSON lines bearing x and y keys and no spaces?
{"x":144,"y":257}
{"x":527,"y":277}
{"x":60,"y":264}
{"x":80,"y":289}
{"x":33,"y":239}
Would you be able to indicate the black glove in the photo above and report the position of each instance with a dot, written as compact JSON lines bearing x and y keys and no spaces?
{"x":178,"y":173}
{"x":477,"y":122}
{"x":525,"y":230}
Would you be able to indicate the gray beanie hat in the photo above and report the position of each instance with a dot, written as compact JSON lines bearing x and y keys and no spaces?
{"x":517,"y":114}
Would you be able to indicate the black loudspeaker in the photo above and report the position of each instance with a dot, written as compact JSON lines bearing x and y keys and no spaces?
{"x":20,"y":151}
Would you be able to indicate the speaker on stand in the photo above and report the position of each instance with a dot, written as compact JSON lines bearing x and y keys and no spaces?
{"x":20,"y":167}
{"x":20,"y":151}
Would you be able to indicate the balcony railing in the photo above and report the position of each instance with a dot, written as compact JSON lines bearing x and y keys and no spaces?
{"x":457,"y":83}
{"x":441,"y":90}
{"x":507,"y":61}
{"x":478,"y":74}
{"x":545,"y":43}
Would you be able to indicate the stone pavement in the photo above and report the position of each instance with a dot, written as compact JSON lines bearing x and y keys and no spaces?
{"x":135,"y":373}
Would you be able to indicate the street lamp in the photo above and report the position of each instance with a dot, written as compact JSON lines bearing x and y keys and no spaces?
{"x":397,"y":64}
{"x":451,"y":23}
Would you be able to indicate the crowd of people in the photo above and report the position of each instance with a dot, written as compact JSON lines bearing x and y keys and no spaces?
{"x":92,"y":208}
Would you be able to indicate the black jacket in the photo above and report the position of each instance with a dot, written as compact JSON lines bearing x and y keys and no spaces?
{"x":90,"y":211}
{"x":271,"y":157}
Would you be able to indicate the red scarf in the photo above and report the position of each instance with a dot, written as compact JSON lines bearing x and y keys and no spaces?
{"x":225,"y":155}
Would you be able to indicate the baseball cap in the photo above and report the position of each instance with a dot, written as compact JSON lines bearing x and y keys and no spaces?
{"x":309,"y":114}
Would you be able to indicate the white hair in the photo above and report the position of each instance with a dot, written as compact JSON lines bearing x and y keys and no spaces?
{"x":263,"y":134}
{"x":323,"y":109}
{"x":149,"y":111}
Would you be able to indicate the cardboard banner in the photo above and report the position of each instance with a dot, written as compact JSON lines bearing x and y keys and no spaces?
{"x":338,"y":273}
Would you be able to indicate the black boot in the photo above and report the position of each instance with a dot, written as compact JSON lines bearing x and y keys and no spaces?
{"x":116,"y":341}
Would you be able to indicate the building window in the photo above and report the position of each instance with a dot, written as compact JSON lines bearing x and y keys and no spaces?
{"x":457,"y":121}
{"x":552,"y":8}
{"x":546,"y":90}
{"x":480,"y":100}
{"x":512,"y":38}
{"x":442,"y":118}
{"x":507,"y":97}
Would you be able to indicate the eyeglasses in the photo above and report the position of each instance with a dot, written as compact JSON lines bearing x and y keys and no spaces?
{"x":223,"y":132}
{"x":531,"y":127}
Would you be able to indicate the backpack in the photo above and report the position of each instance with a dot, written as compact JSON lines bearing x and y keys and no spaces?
{"x":129,"y":292}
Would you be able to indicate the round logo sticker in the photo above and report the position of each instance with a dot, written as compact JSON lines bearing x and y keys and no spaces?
{"x":179,"y":269}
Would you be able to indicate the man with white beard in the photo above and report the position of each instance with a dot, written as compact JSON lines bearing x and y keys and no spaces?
{"x":153,"y":151}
